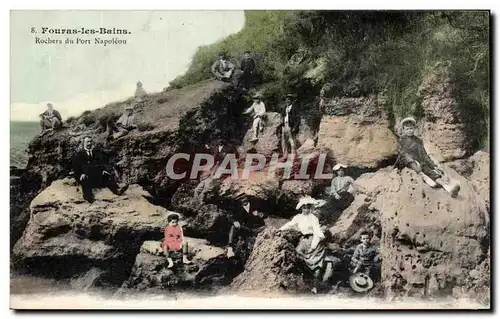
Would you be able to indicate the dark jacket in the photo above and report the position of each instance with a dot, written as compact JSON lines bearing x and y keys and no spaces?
{"x":248,"y":66}
{"x":91,"y":166}
{"x":413,"y":147}
{"x":293,"y":118}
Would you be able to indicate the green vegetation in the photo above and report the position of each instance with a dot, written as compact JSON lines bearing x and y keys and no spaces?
{"x":363,"y":52}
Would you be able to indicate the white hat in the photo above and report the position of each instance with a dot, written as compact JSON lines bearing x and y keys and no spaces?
{"x":360,"y":282}
{"x":129,"y":107}
{"x":408,"y":119}
{"x":339,"y":166}
{"x":307,"y":200}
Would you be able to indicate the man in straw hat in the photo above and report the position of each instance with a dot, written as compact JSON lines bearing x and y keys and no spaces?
{"x":342,"y":187}
{"x":311,"y":248}
{"x":246,"y":221}
{"x":222,"y":69}
{"x":291,"y":123}
{"x":123,"y":125}
{"x":174,"y":245}
{"x":412,"y":154}
{"x":259,"y":110}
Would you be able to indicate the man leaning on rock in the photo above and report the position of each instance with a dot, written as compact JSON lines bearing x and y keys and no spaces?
{"x":90,"y":168}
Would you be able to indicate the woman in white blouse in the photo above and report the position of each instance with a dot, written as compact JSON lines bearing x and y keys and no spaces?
{"x":310,"y":247}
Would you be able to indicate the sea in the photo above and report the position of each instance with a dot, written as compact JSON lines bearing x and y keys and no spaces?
{"x":21,"y":133}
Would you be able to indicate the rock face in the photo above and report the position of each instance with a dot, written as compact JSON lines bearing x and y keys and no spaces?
{"x":356,"y":132}
{"x":433,"y":253}
{"x":66,"y":235}
{"x":269,"y":139}
{"x":480,"y":176}
{"x":444,"y":126}
{"x":272,"y":267}
{"x":150,"y":272}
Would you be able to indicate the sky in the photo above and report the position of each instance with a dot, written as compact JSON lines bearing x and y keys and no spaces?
{"x":79,"y":77}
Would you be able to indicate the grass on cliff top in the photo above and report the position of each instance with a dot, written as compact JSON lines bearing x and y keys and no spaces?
{"x":387,"y":53}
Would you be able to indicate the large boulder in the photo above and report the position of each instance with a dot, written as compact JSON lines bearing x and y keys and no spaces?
{"x":210,"y":268}
{"x":66,"y":235}
{"x":273,"y":267}
{"x":356,"y":131}
{"x":430,"y":241}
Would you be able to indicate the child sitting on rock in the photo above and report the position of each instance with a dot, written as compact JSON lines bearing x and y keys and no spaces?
{"x":366,"y":257}
{"x":173,"y":244}
{"x":413,"y":155}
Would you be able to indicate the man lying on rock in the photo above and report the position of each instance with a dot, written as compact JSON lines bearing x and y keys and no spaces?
{"x":123,"y":126}
{"x":174,"y":246}
{"x":412,"y":154}
{"x":366,"y":256}
{"x":90,"y":169}
{"x":311,"y":248}
{"x":246,"y":224}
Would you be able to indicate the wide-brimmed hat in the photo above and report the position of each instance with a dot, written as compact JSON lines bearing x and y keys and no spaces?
{"x":339,"y":166}
{"x":360,"y":282}
{"x":172,"y":216}
{"x":257,"y":95}
{"x":408,"y":120}
{"x":307,"y":200}
{"x":129,"y":107}
{"x":240,"y":196}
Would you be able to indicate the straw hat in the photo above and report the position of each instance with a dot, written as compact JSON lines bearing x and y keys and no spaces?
{"x":408,"y":119}
{"x":339,"y":166}
{"x":307,"y":200}
{"x":360,"y":282}
{"x":129,"y":107}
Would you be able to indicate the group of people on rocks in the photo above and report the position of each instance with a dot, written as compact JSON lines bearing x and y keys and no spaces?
{"x":93,"y":170}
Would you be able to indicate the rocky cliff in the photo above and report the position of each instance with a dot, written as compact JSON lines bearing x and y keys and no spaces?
{"x":431,"y":244}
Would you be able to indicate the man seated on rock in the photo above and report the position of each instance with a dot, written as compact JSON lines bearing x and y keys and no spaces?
{"x":50,"y":119}
{"x":222,"y":69}
{"x":174,"y":246}
{"x":246,"y":222}
{"x":247,"y":71}
{"x":123,"y":125}
{"x":311,"y":248}
{"x":90,"y":169}
{"x":366,"y":256}
{"x":259,"y":111}
{"x":291,"y":123}
{"x":412,"y":154}
{"x":342,"y":187}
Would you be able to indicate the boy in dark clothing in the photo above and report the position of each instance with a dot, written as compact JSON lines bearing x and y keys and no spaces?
{"x":366,"y":257}
{"x":91,"y":171}
{"x":291,"y":123}
{"x":412,"y":154}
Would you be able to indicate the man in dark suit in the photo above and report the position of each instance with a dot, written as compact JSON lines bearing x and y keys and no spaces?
{"x":291,"y":122}
{"x":92,"y":170}
{"x":247,"y":66}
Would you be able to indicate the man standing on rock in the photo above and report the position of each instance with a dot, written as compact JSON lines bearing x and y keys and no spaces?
{"x":50,"y":119}
{"x":246,"y":222}
{"x":247,"y":71}
{"x":412,"y":154}
{"x":90,"y":169}
{"x":291,"y":122}
{"x":259,"y":110}
{"x":222,"y":69}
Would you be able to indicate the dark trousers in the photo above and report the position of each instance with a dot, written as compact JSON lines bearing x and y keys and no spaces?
{"x":97,"y":180}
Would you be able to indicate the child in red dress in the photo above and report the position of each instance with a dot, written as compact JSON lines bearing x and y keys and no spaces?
{"x":173,"y":244}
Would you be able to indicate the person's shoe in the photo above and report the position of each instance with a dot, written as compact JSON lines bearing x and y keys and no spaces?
{"x":454,"y":189}
{"x":122,"y":190}
{"x":314,"y":290}
{"x":230,"y":252}
{"x":254,"y":139}
{"x":185,"y":260}
{"x":170,"y":263}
